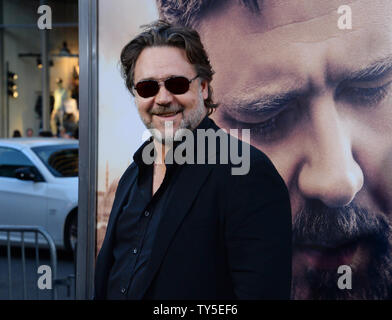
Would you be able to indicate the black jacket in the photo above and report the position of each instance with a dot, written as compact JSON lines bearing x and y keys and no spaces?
{"x":223,"y":236}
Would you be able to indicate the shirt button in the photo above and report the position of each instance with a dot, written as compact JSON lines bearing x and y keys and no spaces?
{"x":134,"y":251}
{"x":123,"y":290}
{"x":146,"y":213}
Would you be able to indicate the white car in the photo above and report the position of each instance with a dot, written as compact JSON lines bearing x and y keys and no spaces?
{"x":39,"y":187}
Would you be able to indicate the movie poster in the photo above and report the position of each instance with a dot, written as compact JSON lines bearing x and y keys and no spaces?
{"x":312,"y":80}
{"x":120,"y":128}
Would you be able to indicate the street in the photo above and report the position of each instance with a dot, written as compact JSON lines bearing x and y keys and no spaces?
{"x":65,"y":273}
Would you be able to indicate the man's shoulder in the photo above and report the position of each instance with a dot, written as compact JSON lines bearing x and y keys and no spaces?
{"x":260,"y":158}
{"x":129,"y":174}
{"x":254,"y":156}
{"x":241,"y":154}
{"x":132,"y":168}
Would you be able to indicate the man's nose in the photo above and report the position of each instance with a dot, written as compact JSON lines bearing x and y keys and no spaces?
{"x":329,"y":171}
{"x":163,"y":97}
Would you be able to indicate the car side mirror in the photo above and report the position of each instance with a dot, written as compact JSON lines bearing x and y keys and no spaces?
{"x":27,"y":174}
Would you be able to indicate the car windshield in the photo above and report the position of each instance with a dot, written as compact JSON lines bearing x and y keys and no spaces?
{"x":61,"y":160}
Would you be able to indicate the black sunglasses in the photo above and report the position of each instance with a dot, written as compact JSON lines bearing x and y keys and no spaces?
{"x":175,"y":85}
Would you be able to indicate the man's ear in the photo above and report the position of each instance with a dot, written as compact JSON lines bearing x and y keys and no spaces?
{"x":204,"y":89}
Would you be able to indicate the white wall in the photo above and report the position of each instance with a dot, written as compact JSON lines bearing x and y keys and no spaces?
{"x":120,"y":127}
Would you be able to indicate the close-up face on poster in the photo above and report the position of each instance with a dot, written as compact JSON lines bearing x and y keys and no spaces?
{"x":312,"y":81}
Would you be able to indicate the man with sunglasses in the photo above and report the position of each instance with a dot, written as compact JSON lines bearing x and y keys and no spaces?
{"x":190,"y":231}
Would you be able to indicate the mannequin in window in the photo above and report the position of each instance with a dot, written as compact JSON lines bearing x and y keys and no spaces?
{"x":56,"y":117}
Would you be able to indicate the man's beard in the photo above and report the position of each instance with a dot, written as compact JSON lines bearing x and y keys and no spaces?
{"x":190,"y":122}
{"x":321,"y":226}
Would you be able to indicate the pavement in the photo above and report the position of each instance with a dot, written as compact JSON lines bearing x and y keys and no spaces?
{"x":65,"y":274}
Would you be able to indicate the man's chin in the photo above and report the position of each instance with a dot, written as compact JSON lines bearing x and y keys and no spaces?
{"x":170,"y":120}
{"x":169,"y":138}
{"x":163,"y":136}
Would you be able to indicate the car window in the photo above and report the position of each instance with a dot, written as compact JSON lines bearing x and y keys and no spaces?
{"x":61,"y":160}
{"x":10,"y":160}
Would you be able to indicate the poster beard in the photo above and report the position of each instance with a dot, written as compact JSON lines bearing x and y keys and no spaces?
{"x":353,"y":226}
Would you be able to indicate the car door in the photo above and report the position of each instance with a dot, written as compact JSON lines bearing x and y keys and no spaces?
{"x":21,"y":202}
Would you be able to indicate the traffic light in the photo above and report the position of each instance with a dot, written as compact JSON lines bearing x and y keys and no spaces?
{"x":11,"y":85}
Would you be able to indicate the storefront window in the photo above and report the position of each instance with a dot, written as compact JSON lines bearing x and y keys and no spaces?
{"x":32,"y":104}
{"x":39,"y":102}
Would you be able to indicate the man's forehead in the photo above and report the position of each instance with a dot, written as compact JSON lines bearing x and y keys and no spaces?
{"x":295,"y":20}
{"x":282,"y":13}
{"x":162,"y":61}
{"x":295,"y":39}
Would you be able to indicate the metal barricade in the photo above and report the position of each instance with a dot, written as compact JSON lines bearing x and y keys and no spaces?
{"x":50,"y":245}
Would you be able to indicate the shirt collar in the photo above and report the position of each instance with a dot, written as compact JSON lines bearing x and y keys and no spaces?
{"x":137,"y":156}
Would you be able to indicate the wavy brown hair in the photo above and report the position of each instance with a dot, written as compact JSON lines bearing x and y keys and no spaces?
{"x":161,"y":33}
{"x":190,"y":12}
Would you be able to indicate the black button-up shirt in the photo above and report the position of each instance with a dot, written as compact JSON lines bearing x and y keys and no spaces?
{"x":136,"y":227}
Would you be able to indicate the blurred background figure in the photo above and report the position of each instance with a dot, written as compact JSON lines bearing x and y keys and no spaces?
{"x":47,"y":134}
{"x":29,"y":132}
{"x":16,"y":134}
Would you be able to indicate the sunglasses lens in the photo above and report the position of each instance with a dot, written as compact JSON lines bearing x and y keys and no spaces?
{"x":177,"y":85}
{"x":147,"y":89}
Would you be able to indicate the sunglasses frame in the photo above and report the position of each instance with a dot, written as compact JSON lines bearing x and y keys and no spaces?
{"x":160,"y":82}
